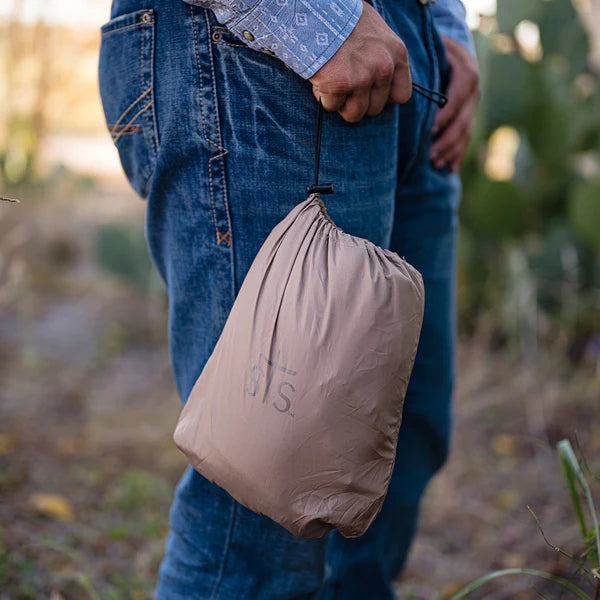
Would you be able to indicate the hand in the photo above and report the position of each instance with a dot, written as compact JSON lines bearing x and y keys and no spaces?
{"x":454,"y":123}
{"x":369,"y":70}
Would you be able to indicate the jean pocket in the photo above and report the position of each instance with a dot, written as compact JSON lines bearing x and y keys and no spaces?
{"x":126,"y":85}
{"x":223,"y":36}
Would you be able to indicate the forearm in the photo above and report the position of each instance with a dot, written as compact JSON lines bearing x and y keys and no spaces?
{"x":304,"y":34}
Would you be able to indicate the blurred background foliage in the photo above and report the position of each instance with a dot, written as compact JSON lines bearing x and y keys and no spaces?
{"x":530,"y":239}
{"x":530,"y":247}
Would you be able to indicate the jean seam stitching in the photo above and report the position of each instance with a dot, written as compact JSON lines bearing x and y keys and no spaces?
{"x":427,"y":24}
{"x":143,"y":42}
{"x":141,"y":24}
{"x":152,"y":116}
{"x":139,"y":113}
{"x":219,"y":579}
{"x":200,"y":76}
{"x":220,"y":43}
{"x":227,"y":235}
{"x":434,"y":69}
{"x":130,"y":107}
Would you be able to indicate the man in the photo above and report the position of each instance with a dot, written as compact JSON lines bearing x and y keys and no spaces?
{"x":211,"y":105}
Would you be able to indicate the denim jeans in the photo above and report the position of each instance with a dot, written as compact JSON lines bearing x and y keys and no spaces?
{"x":219,"y":139}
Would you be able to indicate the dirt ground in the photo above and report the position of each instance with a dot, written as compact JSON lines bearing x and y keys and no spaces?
{"x":88,"y":406}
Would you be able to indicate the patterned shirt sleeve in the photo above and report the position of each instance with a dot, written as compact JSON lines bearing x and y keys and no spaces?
{"x":449,"y":18}
{"x":304,"y":34}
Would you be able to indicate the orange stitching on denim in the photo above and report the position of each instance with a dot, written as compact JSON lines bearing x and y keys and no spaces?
{"x":140,"y":24}
{"x":137,"y":114}
{"x":224,"y":237}
{"x":221,"y":43}
{"x":210,"y":187}
{"x":223,"y":150}
{"x":124,"y":129}
{"x":130,"y":107}
{"x":151,"y":87}
{"x":220,"y":137}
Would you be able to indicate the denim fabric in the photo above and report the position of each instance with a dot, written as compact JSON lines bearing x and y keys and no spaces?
{"x":303,"y":34}
{"x":220,"y":140}
{"x":449,"y":17}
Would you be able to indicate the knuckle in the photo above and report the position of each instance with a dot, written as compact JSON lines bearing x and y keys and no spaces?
{"x":400,"y":49}
{"x":352,"y":112}
{"x":343,"y":85}
{"x":385,"y":70}
{"x":364,"y":80}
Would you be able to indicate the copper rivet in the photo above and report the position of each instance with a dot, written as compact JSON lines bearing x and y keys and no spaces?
{"x":145,"y":18}
{"x":216,"y":36}
{"x":248,"y":35}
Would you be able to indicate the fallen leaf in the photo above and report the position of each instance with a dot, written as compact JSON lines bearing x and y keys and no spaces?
{"x":53,"y":505}
{"x":70,"y":445}
{"x":450,"y":589}
{"x":8,"y":444}
{"x":504,"y":444}
{"x":507,"y":499}
{"x":513,"y":561}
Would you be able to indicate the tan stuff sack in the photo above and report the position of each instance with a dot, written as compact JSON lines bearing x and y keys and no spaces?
{"x":297,"y":411}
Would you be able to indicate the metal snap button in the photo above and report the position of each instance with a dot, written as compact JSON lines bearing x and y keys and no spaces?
{"x":248,"y":35}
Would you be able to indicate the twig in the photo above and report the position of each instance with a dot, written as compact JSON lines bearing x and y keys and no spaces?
{"x":9,"y":199}
{"x":581,"y":561}
{"x":538,"y":592}
{"x":559,"y":550}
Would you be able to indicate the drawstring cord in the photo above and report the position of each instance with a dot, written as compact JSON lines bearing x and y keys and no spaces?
{"x":327,"y":188}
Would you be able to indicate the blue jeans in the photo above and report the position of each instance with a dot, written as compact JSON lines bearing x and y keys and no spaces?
{"x":220,"y":140}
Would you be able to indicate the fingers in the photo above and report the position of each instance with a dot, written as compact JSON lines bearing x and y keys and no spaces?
{"x":378,"y":99}
{"x":464,"y":81}
{"x":401,"y":88}
{"x":331,"y":101}
{"x":450,"y":147}
{"x":368,"y":101}
{"x":455,"y":120}
{"x":353,"y":106}
{"x":457,"y":94}
{"x":367,"y":90}
{"x":356,"y":105}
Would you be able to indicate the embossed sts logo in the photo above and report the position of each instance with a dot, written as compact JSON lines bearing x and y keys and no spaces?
{"x":271,"y":381}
